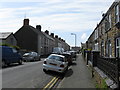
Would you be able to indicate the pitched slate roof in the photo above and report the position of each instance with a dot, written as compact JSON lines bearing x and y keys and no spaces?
{"x":29,"y":27}
{"x":4,"y":35}
{"x":47,"y":36}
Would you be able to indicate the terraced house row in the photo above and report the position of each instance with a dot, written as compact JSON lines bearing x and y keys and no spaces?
{"x":33,"y":39}
{"x":106,"y":36}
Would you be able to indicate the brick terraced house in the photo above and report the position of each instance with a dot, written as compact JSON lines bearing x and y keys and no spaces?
{"x":106,"y":36}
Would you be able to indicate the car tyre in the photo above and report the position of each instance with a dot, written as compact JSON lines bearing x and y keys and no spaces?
{"x":34,"y":59}
{"x":63,"y":74}
{"x":8,"y":64}
{"x":67,"y":68}
{"x":3,"y":64}
{"x":39,"y":59}
{"x":45,"y":70}
{"x":20,"y":62}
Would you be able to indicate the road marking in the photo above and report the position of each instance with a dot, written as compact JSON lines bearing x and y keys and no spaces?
{"x":53,"y":83}
{"x":69,"y":67}
{"x":49,"y":83}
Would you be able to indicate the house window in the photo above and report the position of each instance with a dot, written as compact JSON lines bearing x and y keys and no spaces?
{"x":110,"y":21}
{"x":96,"y":47}
{"x":107,"y":24}
{"x":117,"y":13}
{"x":102,"y":48}
{"x":118,"y":47}
{"x":96,"y":34}
{"x":108,"y":49}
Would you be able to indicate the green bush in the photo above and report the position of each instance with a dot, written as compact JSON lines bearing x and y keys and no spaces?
{"x":5,"y":44}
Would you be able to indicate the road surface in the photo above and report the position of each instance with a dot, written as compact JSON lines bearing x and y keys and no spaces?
{"x":28,"y":75}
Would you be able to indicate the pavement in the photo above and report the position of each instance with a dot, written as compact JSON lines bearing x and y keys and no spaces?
{"x":78,"y":75}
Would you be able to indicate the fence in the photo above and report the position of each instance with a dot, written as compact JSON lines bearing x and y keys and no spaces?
{"x":110,"y":66}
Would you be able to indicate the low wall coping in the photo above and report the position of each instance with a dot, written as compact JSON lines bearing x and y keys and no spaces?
{"x":110,"y":83}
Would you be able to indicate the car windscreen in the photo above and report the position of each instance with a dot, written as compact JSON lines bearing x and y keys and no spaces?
{"x":56,"y":58}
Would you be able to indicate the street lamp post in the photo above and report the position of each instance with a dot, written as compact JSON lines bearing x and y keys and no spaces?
{"x":75,"y":38}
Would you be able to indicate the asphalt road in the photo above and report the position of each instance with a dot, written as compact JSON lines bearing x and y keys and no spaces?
{"x":28,"y":75}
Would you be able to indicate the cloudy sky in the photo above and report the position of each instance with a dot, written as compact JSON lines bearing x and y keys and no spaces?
{"x":61,"y":17}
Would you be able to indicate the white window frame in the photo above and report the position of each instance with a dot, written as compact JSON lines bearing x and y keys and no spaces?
{"x":109,"y":49}
{"x":117,"y":17}
{"x":102,"y":48}
{"x":96,"y":47}
{"x":96,"y":34}
{"x":118,"y":47}
{"x":110,"y":20}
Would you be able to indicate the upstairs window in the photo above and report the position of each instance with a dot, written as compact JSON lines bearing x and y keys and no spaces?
{"x":110,"y":20}
{"x":107,"y":24}
{"x":117,"y":17}
{"x":96,"y":34}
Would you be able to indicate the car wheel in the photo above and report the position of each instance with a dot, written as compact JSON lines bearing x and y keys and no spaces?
{"x":67,"y":68}
{"x":39,"y":59}
{"x":20,"y":62}
{"x":63,"y":73}
{"x":8,"y":64}
{"x":34,"y":59}
{"x":3,"y":64}
{"x":45,"y":70}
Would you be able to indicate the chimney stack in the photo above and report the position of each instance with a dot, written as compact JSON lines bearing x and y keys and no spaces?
{"x":103,"y":14}
{"x":63,"y":40}
{"x":59,"y":38}
{"x":47,"y":32}
{"x":38,"y":27}
{"x":52,"y":35}
{"x":26,"y":22}
{"x":56,"y":36}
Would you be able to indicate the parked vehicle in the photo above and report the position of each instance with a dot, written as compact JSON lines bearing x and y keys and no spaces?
{"x":68,"y":57}
{"x":73,"y":54}
{"x":56,"y":63}
{"x":10,"y":55}
{"x":31,"y":56}
{"x":57,"y":50}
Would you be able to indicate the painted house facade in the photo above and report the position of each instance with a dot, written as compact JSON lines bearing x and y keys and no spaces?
{"x":8,"y":38}
{"x":106,"y":36}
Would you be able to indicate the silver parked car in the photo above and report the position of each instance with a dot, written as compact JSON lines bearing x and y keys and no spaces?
{"x":31,"y":56}
{"x":56,"y":63}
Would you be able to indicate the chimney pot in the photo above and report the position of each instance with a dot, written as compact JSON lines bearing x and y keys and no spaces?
{"x":26,"y":22}
{"x":52,"y":35}
{"x":38,"y":27}
{"x":56,"y":36}
{"x":59,"y":38}
{"x":47,"y":32}
{"x":103,"y":14}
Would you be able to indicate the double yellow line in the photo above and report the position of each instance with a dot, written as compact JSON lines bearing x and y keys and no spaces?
{"x":51,"y":83}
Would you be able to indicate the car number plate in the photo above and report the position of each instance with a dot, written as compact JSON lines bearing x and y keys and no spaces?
{"x":53,"y":64}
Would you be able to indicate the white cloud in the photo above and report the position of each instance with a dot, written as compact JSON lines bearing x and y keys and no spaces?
{"x":84,"y":36}
{"x":59,"y":15}
{"x":55,"y":0}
